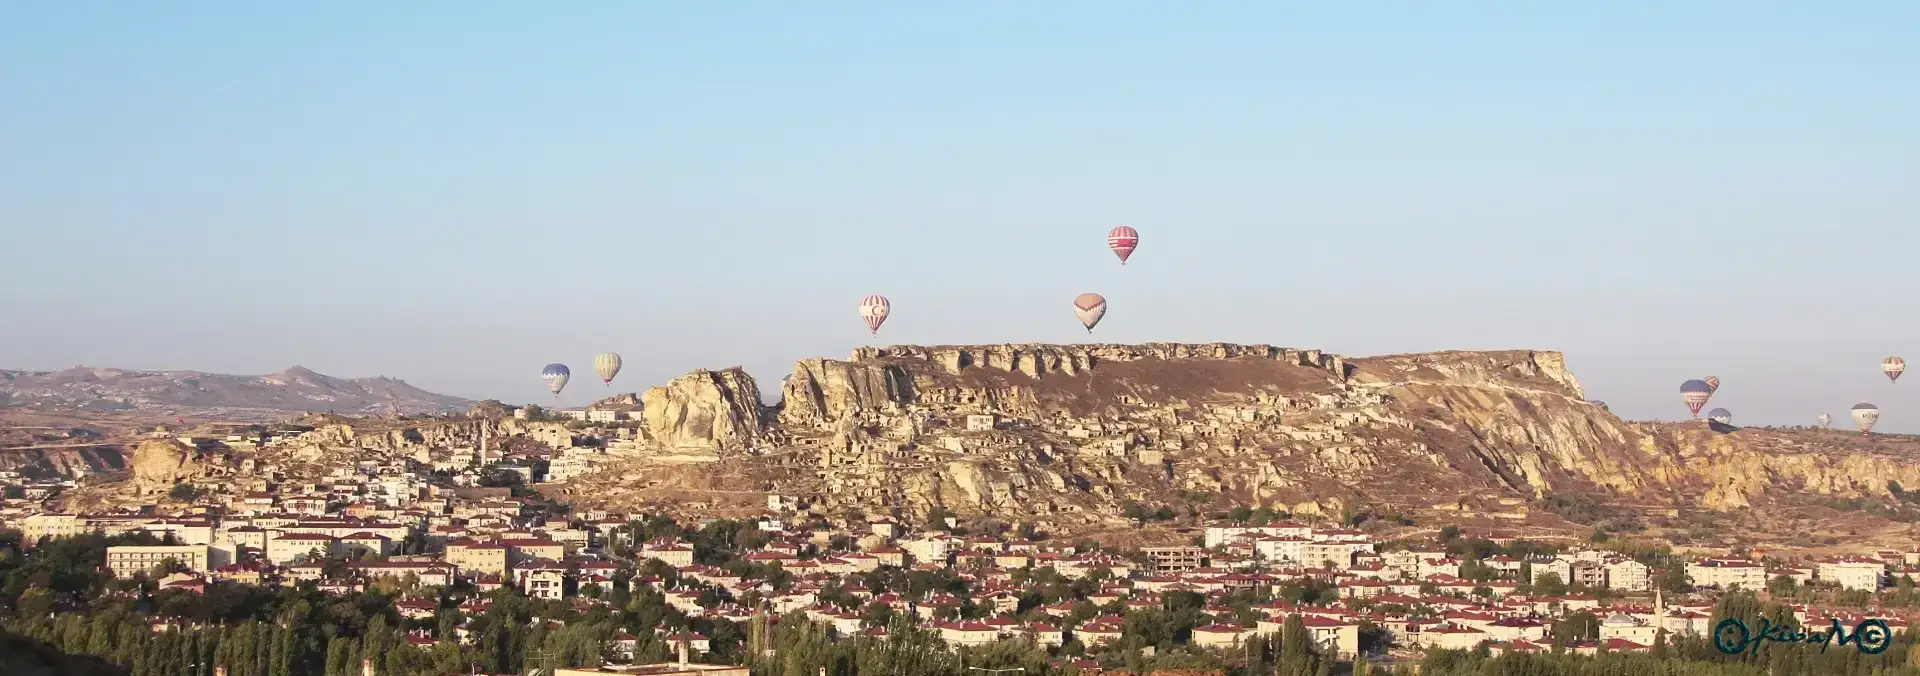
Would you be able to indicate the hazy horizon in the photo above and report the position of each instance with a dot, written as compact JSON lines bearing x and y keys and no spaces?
{"x":455,"y":195}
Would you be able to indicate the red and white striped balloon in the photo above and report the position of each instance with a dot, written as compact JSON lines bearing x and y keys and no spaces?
{"x":874,"y":311}
{"x":1123,"y":240}
{"x":1893,"y":367}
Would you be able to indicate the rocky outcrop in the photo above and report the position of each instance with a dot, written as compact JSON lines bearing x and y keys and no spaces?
{"x":158,"y":464}
{"x":385,"y":438}
{"x":1519,"y":415}
{"x":823,"y":389}
{"x":625,"y":401}
{"x":70,"y":463}
{"x":1037,"y":360}
{"x":718,"y":410}
{"x":1066,"y":433}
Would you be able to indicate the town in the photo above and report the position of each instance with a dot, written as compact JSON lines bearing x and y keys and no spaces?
{"x":446,"y":533}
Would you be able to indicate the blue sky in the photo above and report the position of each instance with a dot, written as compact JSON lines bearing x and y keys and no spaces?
{"x":457,"y":193}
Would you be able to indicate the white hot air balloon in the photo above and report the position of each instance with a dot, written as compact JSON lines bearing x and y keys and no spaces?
{"x":1089,"y":307}
{"x":1865,"y":415}
{"x":607,"y":365}
{"x":1824,"y":420}
{"x":556,"y":376}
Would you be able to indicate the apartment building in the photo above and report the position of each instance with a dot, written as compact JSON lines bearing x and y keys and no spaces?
{"x":130,"y":560}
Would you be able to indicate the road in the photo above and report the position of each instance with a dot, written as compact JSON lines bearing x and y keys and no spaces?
{"x":38,"y":447}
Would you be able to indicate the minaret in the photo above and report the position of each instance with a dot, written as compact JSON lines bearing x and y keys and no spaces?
{"x":480,"y":456}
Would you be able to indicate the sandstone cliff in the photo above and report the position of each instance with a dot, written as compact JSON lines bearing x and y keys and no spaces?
{"x":158,"y":464}
{"x":71,"y":462}
{"x":704,"y":409}
{"x":1067,"y":433}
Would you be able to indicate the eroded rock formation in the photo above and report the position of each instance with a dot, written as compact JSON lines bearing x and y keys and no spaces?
{"x":158,"y":464}
{"x":1070,"y":432}
{"x":704,"y":409}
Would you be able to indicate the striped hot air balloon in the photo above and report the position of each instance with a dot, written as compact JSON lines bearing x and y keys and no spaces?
{"x":874,"y":311}
{"x":1089,"y":307}
{"x":1694,"y":394}
{"x":556,"y":376}
{"x":1893,"y":366}
{"x":1865,"y":415}
{"x":1123,"y":240}
{"x":1713,"y":384}
{"x":607,"y":365}
{"x":1720,"y":415}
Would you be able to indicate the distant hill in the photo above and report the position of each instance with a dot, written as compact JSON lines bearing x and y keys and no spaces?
{"x":296,"y":389}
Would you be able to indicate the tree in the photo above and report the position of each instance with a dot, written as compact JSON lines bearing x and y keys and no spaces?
{"x":1673,"y":580}
{"x":1297,"y":655}
{"x":1549,"y":584}
{"x":183,"y":492}
{"x":1782,"y":586}
{"x":937,"y":518}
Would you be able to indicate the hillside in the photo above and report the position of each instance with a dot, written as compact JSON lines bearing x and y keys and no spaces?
{"x":103,"y":390}
{"x":24,"y":656}
{"x":1077,"y":431}
{"x":1066,"y":436}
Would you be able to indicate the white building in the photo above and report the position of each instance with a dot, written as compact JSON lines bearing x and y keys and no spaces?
{"x":1628,"y":575}
{"x":129,"y":560}
{"x":1853,"y":573}
{"x":931,"y":548}
{"x":1727,"y":574}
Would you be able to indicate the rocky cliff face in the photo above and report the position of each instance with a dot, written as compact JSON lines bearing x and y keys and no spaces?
{"x":706,"y":410}
{"x":158,"y":464}
{"x":387,"y":439}
{"x":1067,"y":433}
{"x":63,"y":462}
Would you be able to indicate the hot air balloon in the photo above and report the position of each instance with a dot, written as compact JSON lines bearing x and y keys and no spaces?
{"x":874,"y":311}
{"x":1089,"y":307}
{"x":1720,"y":415}
{"x":1825,"y":421}
{"x":1123,"y":240}
{"x":1892,"y":366}
{"x":1695,"y":393}
{"x":607,"y":365}
{"x":1713,"y":384}
{"x":1865,"y":415}
{"x":556,"y":376}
